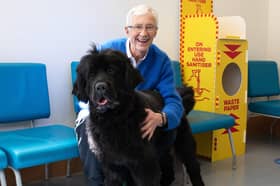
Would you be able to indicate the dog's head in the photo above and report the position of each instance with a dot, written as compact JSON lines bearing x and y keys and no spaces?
{"x":102,"y":77}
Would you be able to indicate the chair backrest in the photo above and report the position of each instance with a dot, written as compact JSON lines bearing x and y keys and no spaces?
{"x":24,"y":92}
{"x":74,"y":65}
{"x":177,"y":73}
{"x":263,"y":79}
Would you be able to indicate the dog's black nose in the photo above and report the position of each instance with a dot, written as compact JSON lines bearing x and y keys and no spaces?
{"x":101,"y":87}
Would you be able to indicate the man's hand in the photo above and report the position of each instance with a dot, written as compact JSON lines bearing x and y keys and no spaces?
{"x":151,"y":122}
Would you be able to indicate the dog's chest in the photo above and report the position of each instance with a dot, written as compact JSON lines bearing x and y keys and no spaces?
{"x":92,"y":142}
{"x":117,"y":139}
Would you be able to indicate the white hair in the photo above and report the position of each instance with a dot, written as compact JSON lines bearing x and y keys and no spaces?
{"x":141,"y":10}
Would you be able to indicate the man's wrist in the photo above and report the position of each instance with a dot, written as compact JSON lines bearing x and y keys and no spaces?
{"x":163,"y":119}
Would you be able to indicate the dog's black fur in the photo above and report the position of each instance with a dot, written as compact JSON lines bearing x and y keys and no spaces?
{"x":107,"y":80}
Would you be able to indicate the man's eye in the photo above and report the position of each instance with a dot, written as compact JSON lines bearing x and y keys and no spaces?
{"x":139,"y":27}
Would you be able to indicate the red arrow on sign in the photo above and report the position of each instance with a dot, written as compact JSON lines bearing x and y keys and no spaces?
{"x":232,"y":47}
{"x":232,"y":53}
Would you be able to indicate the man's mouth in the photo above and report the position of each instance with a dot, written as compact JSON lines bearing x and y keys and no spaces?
{"x":143,"y":40}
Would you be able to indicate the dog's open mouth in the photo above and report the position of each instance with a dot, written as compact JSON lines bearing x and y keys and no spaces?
{"x":102,"y":101}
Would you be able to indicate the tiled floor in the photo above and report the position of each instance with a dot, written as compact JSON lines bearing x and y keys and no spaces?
{"x":256,"y":168}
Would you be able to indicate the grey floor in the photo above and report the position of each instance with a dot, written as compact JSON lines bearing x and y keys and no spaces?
{"x":256,"y":168}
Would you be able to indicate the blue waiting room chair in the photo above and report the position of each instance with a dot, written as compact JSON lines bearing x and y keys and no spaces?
{"x":74,"y":66}
{"x":263,"y":89}
{"x":24,"y":98}
{"x":203,"y":121}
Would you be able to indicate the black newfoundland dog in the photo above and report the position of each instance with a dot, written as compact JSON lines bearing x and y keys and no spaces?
{"x":107,"y":81}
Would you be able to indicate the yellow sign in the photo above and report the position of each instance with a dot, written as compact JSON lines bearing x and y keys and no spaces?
{"x":198,"y":57}
{"x":189,"y":7}
{"x":217,"y":70}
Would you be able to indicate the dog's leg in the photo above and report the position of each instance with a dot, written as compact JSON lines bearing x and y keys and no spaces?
{"x":185,"y":148}
{"x":145,"y":172}
{"x":167,"y":169}
{"x":113,"y":176}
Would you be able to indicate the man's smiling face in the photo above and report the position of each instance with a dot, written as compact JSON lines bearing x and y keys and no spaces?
{"x":141,"y":34}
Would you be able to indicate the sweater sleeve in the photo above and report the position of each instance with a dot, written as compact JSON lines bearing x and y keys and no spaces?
{"x":172,"y":100}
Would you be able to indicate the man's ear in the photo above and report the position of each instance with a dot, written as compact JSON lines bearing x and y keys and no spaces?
{"x":126,"y":30}
{"x":80,"y":85}
{"x":132,"y":76}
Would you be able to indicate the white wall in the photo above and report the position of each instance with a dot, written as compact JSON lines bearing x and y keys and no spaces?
{"x":255,"y":15}
{"x":58,"y":32}
{"x":273,"y":37}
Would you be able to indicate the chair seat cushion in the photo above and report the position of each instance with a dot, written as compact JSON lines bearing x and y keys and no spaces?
{"x":39,"y":145}
{"x":3,"y":160}
{"x":201,"y":121}
{"x":265,"y":107}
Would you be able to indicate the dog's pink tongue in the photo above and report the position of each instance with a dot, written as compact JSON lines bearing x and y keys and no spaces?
{"x":102,"y":101}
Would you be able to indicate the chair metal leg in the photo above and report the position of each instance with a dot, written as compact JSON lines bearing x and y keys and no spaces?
{"x":17,"y":176}
{"x":2,"y":178}
{"x":46,"y":171}
{"x":232,"y":149}
{"x":271,"y":127}
{"x":68,"y":168}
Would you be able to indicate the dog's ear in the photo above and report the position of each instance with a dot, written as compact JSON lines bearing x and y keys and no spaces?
{"x":132,"y":76}
{"x":80,"y":85}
